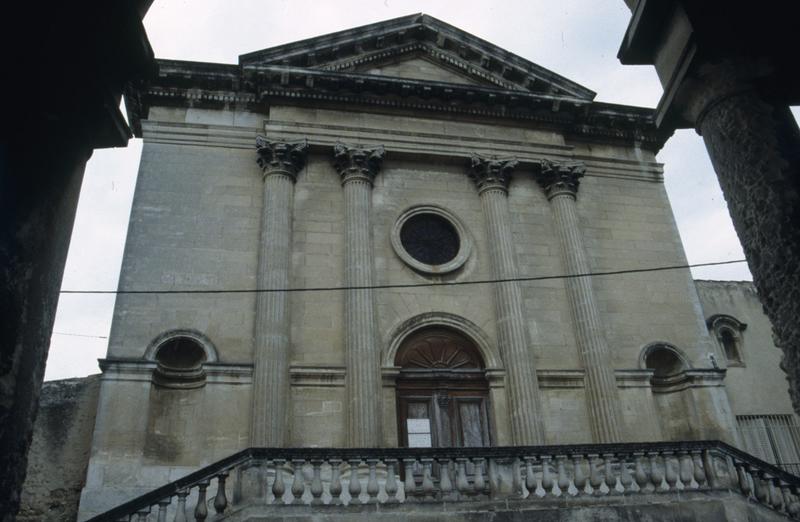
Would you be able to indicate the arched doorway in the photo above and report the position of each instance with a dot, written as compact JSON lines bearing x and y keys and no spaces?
{"x":442,"y":391}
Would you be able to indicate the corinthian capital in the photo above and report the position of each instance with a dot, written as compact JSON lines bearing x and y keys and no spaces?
{"x":491,"y":173}
{"x":357,"y":163}
{"x":281,"y":157}
{"x":560,"y":178}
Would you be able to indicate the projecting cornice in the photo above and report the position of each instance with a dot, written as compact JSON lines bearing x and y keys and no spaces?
{"x":385,"y":67}
{"x":440,"y":42}
{"x":221,"y":85}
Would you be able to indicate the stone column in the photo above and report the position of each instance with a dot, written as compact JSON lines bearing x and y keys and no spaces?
{"x":492,"y":177}
{"x":754,"y":146}
{"x":560,"y":183}
{"x":280,"y":162}
{"x":358,"y":168}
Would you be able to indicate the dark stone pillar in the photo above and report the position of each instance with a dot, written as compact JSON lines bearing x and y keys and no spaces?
{"x":754,"y":146}
{"x":70,"y":68}
{"x":39,"y":187}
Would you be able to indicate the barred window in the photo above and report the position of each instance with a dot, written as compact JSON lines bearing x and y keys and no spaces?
{"x":772,"y":438}
{"x":430,"y":239}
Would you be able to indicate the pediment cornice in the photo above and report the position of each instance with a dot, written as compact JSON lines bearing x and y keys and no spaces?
{"x":441,"y":42}
{"x":337,"y":69}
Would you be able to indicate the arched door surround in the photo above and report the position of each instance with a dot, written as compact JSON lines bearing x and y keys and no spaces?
{"x":442,"y":391}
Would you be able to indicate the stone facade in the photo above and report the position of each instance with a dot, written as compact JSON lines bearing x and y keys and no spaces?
{"x":531,"y":175}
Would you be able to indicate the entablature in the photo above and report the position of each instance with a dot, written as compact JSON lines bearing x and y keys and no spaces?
{"x":218,"y":86}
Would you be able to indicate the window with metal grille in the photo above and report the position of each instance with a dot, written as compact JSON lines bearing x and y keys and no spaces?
{"x":772,"y":438}
{"x":430,"y":239}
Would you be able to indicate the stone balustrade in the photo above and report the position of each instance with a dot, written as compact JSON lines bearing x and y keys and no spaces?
{"x":273,"y":479}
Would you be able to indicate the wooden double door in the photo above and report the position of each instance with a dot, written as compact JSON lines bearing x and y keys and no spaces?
{"x":442,"y":392}
{"x":440,"y":418}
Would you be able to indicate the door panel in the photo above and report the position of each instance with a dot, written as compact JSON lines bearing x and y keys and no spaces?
{"x":471,"y":423}
{"x":443,"y":418}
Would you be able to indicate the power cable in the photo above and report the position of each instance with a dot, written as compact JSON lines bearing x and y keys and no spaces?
{"x":406,"y":285}
{"x":81,"y":335}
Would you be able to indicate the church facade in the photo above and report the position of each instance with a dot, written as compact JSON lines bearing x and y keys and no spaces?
{"x":382,"y":238}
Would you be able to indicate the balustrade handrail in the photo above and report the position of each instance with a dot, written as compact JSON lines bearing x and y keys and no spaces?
{"x":289,"y":455}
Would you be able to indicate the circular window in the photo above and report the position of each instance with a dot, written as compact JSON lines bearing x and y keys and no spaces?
{"x":430,"y":240}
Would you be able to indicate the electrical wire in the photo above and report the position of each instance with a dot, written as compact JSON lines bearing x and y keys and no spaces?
{"x":81,"y":335}
{"x":406,"y":285}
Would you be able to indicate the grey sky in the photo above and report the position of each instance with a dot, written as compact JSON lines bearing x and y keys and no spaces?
{"x":577,"y":39}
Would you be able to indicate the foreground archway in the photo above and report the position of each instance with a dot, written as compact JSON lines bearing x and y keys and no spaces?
{"x":442,"y":391}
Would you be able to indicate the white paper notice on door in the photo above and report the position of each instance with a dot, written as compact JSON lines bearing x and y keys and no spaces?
{"x":419,"y":433}
{"x":419,"y":440}
{"x":419,"y":426}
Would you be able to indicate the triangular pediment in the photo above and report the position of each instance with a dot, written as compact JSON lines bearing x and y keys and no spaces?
{"x":417,"y":66}
{"x":422,"y":48}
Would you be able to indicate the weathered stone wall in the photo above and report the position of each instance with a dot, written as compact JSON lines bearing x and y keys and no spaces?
{"x":195,"y":225}
{"x":759,"y":386}
{"x":59,"y":453}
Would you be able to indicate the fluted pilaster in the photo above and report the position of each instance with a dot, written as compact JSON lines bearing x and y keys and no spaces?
{"x":280,"y":163}
{"x":492,"y":177}
{"x":560,"y":182}
{"x":358,"y":168}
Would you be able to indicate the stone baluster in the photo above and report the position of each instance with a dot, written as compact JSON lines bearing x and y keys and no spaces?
{"x":610,"y":477}
{"x":640,"y":475}
{"x":180,"y":511}
{"x":579,"y":477}
{"x":686,"y":467}
{"x":201,"y":510}
{"x":409,"y":485}
{"x":445,"y":484}
{"x":516,"y":481}
{"x":427,"y":478}
{"x":280,"y":163}
{"x":670,"y":474}
{"x":560,"y":183}
{"x":391,"y":481}
{"x":221,"y":499}
{"x":530,"y":477}
{"x":162,"y":509}
{"x":711,"y":471}
{"x":335,"y":488}
{"x":357,"y":168}
{"x":563,"y":479}
{"x":699,"y":471}
{"x":656,"y":476}
{"x":298,"y":483}
{"x":791,"y":499}
{"x":547,"y":479}
{"x":761,"y":491}
{"x":316,"y":482}
{"x":354,"y":485}
{"x":492,"y":177}
{"x":595,"y":480}
{"x":372,"y":481}
{"x":744,"y":482}
{"x":776,"y":494}
{"x":141,"y":516}
{"x":278,"y":486}
{"x":625,"y":478}
{"x":462,"y":483}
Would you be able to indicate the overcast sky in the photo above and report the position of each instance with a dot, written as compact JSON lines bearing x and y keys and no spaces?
{"x":578,"y":39}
